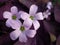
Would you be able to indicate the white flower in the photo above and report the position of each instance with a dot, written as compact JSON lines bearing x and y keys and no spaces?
{"x":22,"y":31}
{"x":13,"y":15}
{"x":33,"y":15}
{"x":46,"y":14}
{"x":49,"y":5}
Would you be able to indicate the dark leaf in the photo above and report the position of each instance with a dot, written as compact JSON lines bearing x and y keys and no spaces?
{"x":57,"y":13}
{"x":58,"y":41}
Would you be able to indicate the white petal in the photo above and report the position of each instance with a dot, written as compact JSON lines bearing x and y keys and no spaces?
{"x":31,"y":33}
{"x":24,"y":15}
{"x":7,"y":14}
{"x":36,"y":24}
{"x":7,"y":23}
{"x":19,"y":14}
{"x":46,"y":14}
{"x":49,"y":5}
{"x":39,"y":16}
{"x":33,"y":10}
{"x":15,"y":24}
{"x":14,"y":10}
{"x":27,"y":23}
{"x":15,"y":34}
{"x":22,"y":37}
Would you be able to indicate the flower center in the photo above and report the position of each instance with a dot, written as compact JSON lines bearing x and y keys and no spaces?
{"x":31,"y":17}
{"x":14,"y":17}
{"x":22,"y":28}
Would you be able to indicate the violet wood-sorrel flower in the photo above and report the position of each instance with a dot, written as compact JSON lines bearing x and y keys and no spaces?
{"x":14,"y":15}
{"x":33,"y":16}
{"x":22,"y":31}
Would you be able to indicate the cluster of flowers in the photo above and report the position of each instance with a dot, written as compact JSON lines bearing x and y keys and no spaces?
{"x":23,"y":30}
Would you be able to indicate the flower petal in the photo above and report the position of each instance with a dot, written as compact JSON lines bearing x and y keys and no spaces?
{"x":39,"y":16}
{"x":30,"y":33}
{"x":49,"y":5}
{"x":27,"y":23}
{"x":15,"y":24}
{"x":15,"y":34}
{"x":7,"y":14}
{"x":22,"y":37}
{"x":19,"y":14}
{"x":14,"y":10}
{"x":33,"y":10}
{"x":24,"y":15}
{"x":36,"y":24}
{"x":46,"y":14}
{"x":7,"y":23}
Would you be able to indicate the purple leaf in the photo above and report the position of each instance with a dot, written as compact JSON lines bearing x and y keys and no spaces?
{"x":30,"y":2}
{"x":58,"y":41}
{"x":57,"y":14}
{"x":49,"y":27}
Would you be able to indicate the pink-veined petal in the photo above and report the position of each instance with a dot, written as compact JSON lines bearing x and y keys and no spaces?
{"x":15,"y":24}
{"x":7,"y":14}
{"x":39,"y":16}
{"x":49,"y":5}
{"x":27,"y":23}
{"x":30,"y":33}
{"x":14,"y":10}
{"x":15,"y":34}
{"x":19,"y":14}
{"x":46,"y":14}
{"x":24,"y":15}
{"x":22,"y":37}
{"x":7,"y":23}
{"x":33,"y":10}
{"x":36,"y":24}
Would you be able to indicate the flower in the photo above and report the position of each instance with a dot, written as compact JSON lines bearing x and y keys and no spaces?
{"x":33,"y":15}
{"x":46,"y":14}
{"x":22,"y":31}
{"x":49,"y":5}
{"x":13,"y":15}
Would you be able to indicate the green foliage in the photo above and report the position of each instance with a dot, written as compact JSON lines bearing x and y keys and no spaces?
{"x":59,"y":1}
{"x":54,"y":2}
